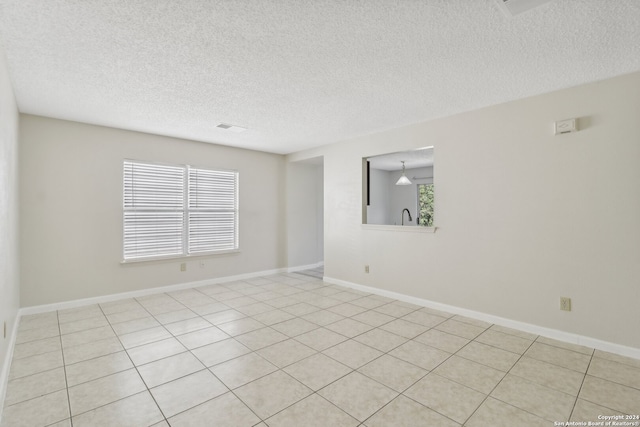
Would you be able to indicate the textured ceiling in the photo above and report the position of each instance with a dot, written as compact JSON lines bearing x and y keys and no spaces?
{"x":301,"y":73}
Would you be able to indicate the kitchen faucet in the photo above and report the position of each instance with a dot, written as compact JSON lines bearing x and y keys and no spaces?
{"x":408,"y":213}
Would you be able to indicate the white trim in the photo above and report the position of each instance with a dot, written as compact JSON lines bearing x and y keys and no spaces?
{"x":514,"y":324}
{"x":405,"y":228}
{"x":305,"y":267}
{"x":149,"y":291}
{"x":6,"y":366}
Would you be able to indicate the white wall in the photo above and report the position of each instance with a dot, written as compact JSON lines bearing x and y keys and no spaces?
{"x":524,"y":217}
{"x":9,"y":253}
{"x":71,"y":210}
{"x":304,"y":214}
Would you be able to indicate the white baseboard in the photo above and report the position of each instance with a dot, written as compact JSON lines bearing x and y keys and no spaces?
{"x":509,"y":323}
{"x":305,"y":267}
{"x":143,"y":292}
{"x":6,"y":366}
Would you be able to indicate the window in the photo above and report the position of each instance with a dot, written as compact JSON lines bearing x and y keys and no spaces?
{"x":425,"y":205}
{"x":178,"y":210}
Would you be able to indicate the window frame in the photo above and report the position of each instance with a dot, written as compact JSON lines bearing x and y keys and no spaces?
{"x":185,"y":210}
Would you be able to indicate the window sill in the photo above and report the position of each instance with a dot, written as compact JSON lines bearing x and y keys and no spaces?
{"x":401,"y":228}
{"x":179,"y":257}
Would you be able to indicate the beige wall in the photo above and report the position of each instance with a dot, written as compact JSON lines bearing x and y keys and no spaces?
{"x":71,"y":210}
{"x":524,"y":216}
{"x":9,"y":261}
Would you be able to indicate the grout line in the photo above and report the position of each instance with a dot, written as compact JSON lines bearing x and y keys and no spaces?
{"x":64,"y":367}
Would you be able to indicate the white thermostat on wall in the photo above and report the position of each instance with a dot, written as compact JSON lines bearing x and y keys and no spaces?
{"x":566,"y":126}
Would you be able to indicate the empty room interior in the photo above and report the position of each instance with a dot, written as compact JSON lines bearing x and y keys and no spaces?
{"x":319,"y":213}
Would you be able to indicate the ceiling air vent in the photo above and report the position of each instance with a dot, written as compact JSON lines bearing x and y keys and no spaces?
{"x":516,"y":7}
{"x":231,"y":128}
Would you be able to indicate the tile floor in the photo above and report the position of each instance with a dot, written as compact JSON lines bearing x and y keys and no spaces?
{"x":291,"y":350}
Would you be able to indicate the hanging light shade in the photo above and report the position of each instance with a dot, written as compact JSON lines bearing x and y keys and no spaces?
{"x":403,"y":179}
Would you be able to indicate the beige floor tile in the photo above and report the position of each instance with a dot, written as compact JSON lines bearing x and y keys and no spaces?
{"x":367,"y":302}
{"x":82,"y":325}
{"x":169,"y":369}
{"x":471,"y":321}
{"x":272,"y":317}
{"x":227,"y":411}
{"x":504,"y":341}
{"x":352,"y":353}
{"x":516,"y":332}
{"x":34,"y":348}
{"x":488,"y":355}
{"x":119,"y":306}
{"x":63,"y":423}
{"x":381,"y":340}
{"x":548,"y":375}
{"x":185,"y":393}
{"x":182,"y":327}
{"x":324,"y":302}
{"x":373,"y":318}
{"x":393,"y":309}
{"x":294,"y":327}
{"x":317,"y":371}
{"x":313,"y":411}
{"x":146,"y":336}
{"x":404,"y":412}
{"x":210,"y":309}
{"x":358,"y":395}
{"x":320,"y":339}
{"x":559,"y":356}
{"x":442,"y":340}
{"x":99,"y":367}
{"x":616,"y":372}
{"x":435,"y":312}
{"x":220,"y":351}
{"x":446,"y":397}
{"x":392,"y":372}
{"x":345,"y":296}
{"x":255,"y":309}
{"x":38,"y":321}
{"x":228,"y":295}
{"x":223,"y":317}
{"x":460,"y":329}
{"x":34,"y":364}
{"x":125,"y":316}
{"x":349,"y":327}
{"x":420,"y":355}
{"x":347,"y":309}
{"x":79,"y":313}
{"x":495,"y":413}
{"x":202,"y":337}
{"x":84,"y":337}
{"x":617,"y":358}
{"x":92,"y":394}
{"x":243,"y":369}
{"x":35,"y":385}
{"x":286,"y":352}
{"x":261,"y":338}
{"x":154,"y":351}
{"x":135,"y":325}
{"x":586,"y":411}
{"x":271,"y":394}
{"x":567,"y":346}
{"x":404,"y":328}
{"x":241,"y":301}
{"x":611,"y":395}
{"x":168,"y":307}
{"x":40,"y":411}
{"x":37,"y":334}
{"x":282,"y":301}
{"x":300,"y":309}
{"x":134,"y":411}
{"x":423,"y":318}
{"x":240,"y":326}
{"x":471,"y":374}
{"x":534,"y":398}
{"x":89,"y":351}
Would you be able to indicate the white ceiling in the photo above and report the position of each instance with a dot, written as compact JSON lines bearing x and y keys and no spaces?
{"x":412,"y":159}
{"x":301,"y":73}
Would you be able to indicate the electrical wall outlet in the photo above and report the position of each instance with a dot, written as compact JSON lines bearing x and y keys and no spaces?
{"x":183,"y":266}
{"x":366,"y":269}
{"x":565,"y":303}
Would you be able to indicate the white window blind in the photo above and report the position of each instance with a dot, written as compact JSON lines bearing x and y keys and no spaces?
{"x":178,"y":210}
{"x":213,"y":210}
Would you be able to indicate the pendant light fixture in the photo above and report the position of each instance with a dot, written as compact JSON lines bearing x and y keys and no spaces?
{"x":403,"y":179}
